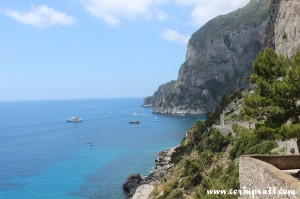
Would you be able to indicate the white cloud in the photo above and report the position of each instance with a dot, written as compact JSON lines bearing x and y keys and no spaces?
{"x":160,"y":15}
{"x":174,"y":36}
{"x":41,"y":16}
{"x":204,"y":10}
{"x":113,"y":11}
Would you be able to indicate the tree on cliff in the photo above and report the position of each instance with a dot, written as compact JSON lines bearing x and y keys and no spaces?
{"x":276,"y":101}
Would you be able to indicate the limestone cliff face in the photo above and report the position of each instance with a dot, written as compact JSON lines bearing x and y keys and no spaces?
{"x":148,"y":101}
{"x":283,"y":32}
{"x":218,"y":60}
{"x":270,"y":29}
{"x":159,"y":97}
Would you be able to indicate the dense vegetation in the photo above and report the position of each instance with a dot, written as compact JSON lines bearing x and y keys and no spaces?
{"x":210,"y":160}
{"x":275,"y":103}
{"x":206,"y":159}
{"x":196,"y":169}
{"x":214,"y":117}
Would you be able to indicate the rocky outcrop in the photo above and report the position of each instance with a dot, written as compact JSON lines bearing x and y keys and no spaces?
{"x":137,"y":186}
{"x":148,"y":101}
{"x":269,"y":41}
{"x":162,"y":164}
{"x":283,"y":30}
{"x":132,"y":183}
{"x":143,"y":192}
{"x":163,"y":92}
{"x":218,"y":61}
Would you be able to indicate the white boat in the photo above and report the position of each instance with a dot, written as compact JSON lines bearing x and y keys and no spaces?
{"x":135,"y":113}
{"x":75,"y":119}
{"x":155,"y":120}
{"x":134,"y":122}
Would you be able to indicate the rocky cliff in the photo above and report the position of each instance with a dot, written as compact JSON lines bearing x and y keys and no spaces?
{"x":161,"y":95}
{"x":206,"y":156}
{"x":283,"y":31}
{"x":218,"y":60}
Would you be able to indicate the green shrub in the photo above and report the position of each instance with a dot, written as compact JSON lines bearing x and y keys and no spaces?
{"x":265,"y":147}
{"x":216,"y":141}
{"x":216,"y":172}
{"x":197,"y":179}
{"x":231,"y":176}
{"x":199,"y":126}
{"x":265,"y":133}
{"x":180,"y":152}
{"x":242,"y":142}
{"x":284,"y":36}
{"x":206,"y":157}
{"x":168,"y":189}
{"x":277,"y":151}
{"x":175,"y":194}
{"x":186,"y":183}
{"x":247,"y":142}
{"x":292,"y":150}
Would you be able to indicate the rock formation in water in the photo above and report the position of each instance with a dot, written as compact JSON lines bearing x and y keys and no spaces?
{"x":161,"y":95}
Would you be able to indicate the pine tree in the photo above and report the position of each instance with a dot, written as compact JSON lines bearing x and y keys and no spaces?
{"x":276,"y":101}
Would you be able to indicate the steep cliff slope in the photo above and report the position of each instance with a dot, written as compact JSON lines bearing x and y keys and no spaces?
{"x":161,"y":95}
{"x":283,"y":31}
{"x":219,"y":58}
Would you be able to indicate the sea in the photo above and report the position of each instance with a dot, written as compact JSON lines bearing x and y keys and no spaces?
{"x":42,"y":156}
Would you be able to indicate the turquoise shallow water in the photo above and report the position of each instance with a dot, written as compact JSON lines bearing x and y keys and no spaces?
{"x":43,"y":156}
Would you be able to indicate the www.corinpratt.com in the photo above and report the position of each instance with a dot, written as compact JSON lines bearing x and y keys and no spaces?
{"x":253,"y":192}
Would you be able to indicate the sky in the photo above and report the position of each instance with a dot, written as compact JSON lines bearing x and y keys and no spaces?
{"x":79,"y":49}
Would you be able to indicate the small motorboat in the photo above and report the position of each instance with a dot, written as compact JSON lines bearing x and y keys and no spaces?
{"x":155,"y":120}
{"x":89,"y":143}
{"x":75,"y":119}
{"x":134,"y":122}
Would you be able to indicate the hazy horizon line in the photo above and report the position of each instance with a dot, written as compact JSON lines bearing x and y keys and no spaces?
{"x":66,"y":99}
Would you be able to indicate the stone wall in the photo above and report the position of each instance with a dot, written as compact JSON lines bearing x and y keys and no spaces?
{"x":282,"y":162}
{"x":255,"y":174}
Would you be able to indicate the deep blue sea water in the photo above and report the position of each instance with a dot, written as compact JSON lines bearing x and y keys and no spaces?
{"x":43,"y":156}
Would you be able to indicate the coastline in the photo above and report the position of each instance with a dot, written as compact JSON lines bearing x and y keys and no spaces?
{"x":141,"y":187}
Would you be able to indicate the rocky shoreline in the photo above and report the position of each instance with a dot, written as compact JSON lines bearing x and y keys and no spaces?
{"x":141,"y":187}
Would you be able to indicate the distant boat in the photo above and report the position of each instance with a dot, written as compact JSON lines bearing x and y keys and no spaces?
{"x":135,"y":113}
{"x":75,"y":119}
{"x":89,"y":143}
{"x":134,"y":122}
{"x":155,"y":120}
